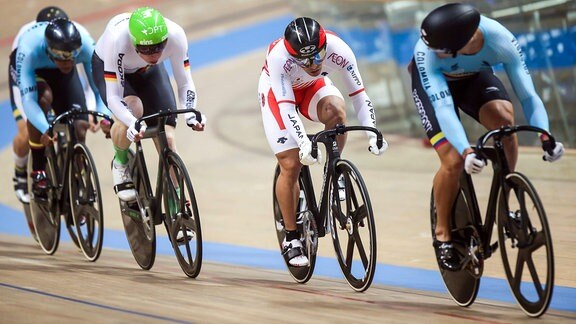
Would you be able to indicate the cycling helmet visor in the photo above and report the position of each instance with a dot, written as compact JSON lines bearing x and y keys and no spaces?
{"x":151,"y":49}
{"x":60,"y":55}
{"x":315,"y":59}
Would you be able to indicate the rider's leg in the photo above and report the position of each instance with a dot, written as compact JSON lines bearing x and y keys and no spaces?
{"x":120,"y":173}
{"x":38,"y":174}
{"x":81,"y":127}
{"x":20,"y":145}
{"x":21,"y":148}
{"x":446,"y":188}
{"x":287,"y":189}
{"x":445,"y":192}
{"x":497,"y":113}
{"x":287,"y":192}
{"x":170,"y":137}
{"x":332,"y":111}
{"x":118,"y":130}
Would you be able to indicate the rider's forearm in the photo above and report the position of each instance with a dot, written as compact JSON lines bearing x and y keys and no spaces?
{"x":293,"y":123}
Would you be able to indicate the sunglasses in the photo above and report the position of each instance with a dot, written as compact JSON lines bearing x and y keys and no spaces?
{"x":59,"y":55}
{"x":316,"y":59}
{"x":151,"y":49}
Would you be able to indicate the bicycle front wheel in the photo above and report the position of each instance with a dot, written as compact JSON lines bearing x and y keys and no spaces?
{"x":182,"y":218}
{"x":525,"y":244}
{"x":86,"y":202}
{"x":44,"y":212}
{"x":353,"y":228}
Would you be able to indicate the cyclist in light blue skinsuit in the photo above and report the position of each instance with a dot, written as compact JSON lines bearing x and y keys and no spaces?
{"x":453,"y":67}
{"x":46,"y":75}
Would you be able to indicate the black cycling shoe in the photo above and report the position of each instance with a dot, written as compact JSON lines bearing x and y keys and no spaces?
{"x":39,"y":184}
{"x":447,"y":256}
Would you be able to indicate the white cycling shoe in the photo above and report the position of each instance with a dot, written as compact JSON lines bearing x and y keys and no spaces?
{"x":293,"y":252}
{"x":21,"y":189}
{"x":180,"y":236}
{"x":123,"y":185}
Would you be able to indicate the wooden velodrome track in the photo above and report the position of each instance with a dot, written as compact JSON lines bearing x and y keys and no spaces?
{"x":243,"y":279}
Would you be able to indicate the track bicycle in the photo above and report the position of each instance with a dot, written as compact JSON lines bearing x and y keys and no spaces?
{"x":349,"y":219}
{"x":524,"y":237}
{"x":173,"y":187}
{"x":73,"y":190}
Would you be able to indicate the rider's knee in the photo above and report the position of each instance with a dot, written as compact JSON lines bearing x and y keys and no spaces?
{"x":451,"y":162}
{"x":497,"y":113}
{"x":45,"y":96}
{"x":171,"y":137}
{"x":135,"y":105}
{"x":336,"y":114}
{"x":289,"y":164}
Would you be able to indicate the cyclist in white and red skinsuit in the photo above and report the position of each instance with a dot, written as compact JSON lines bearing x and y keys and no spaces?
{"x":295,"y":79}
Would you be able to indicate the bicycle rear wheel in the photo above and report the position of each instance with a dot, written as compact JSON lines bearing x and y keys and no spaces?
{"x":462,"y":285}
{"x":525,"y":244}
{"x":28,"y":214}
{"x":138,"y":220}
{"x":306,"y":225}
{"x":85,"y":202}
{"x":353,"y":228}
{"x":44,"y":212}
{"x":182,"y":218}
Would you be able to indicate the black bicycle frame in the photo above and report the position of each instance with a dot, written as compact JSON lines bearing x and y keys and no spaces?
{"x":158,"y":132}
{"x":328,"y":137}
{"x":140,"y":161}
{"x":60,"y":160}
{"x":501,"y":169}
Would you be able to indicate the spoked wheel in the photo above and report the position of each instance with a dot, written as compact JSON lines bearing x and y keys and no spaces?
{"x":525,"y":244}
{"x":182,"y":218}
{"x":86,"y":203}
{"x":66,"y":210}
{"x":138,"y":220}
{"x":44,"y":212}
{"x":462,"y":285}
{"x":353,"y":228}
{"x":306,"y":225}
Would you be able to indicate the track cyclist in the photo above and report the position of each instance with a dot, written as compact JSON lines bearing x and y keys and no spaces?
{"x":20,"y":142}
{"x":46,"y":74}
{"x":295,"y":79}
{"x":134,"y":83}
{"x":453,"y":67}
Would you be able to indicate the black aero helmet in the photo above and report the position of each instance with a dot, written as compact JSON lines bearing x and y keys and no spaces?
{"x":63,"y":40}
{"x":304,"y":38}
{"x":450,"y":26}
{"x":49,"y":13}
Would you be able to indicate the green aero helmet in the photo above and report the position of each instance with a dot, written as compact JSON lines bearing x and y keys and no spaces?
{"x":147,"y":27}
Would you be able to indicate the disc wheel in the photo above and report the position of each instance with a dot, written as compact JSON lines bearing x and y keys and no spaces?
{"x":138,"y":220}
{"x":306,"y":225}
{"x":44,"y":212}
{"x":462,"y":285}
